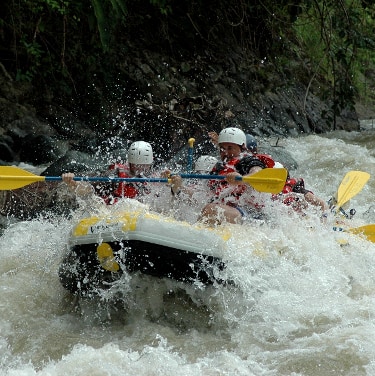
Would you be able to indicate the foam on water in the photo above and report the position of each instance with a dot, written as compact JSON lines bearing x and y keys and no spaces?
{"x":301,"y":303}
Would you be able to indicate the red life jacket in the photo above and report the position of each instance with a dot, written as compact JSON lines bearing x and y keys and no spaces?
{"x":221,"y":187}
{"x":229,"y":194}
{"x":292,"y":185}
{"x":266,"y":159}
{"x":123,"y":189}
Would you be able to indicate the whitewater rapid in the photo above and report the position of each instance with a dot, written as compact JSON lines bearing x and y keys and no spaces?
{"x":303,"y":303}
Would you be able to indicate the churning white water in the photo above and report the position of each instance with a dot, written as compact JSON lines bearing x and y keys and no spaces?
{"x":302,"y":303}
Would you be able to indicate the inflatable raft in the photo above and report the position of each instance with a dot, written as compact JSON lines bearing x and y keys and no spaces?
{"x":101,"y":249}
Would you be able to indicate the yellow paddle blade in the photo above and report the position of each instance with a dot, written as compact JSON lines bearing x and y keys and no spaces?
{"x":271,"y":180}
{"x":351,"y":185}
{"x":13,"y":177}
{"x":368,"y":231}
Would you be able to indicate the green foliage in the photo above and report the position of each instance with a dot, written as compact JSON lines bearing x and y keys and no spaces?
{"x":108,"y":14}
{"x":56,"y":5}
{"x":61,"y":45}
{"x":103,"y":23}
{"x":333,"y":36}
{"x":35,"y":52}
{"x":164,"y":6}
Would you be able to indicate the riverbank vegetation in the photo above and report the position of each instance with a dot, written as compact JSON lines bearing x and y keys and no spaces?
{"x":77,"y":53}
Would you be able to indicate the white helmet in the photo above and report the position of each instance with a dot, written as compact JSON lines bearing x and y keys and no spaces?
{"x":205,"y":163}
{"x":140,"y":152}
{"x":233,"y":135}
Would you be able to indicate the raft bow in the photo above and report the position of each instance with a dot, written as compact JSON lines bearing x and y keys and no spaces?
{"x":102,"y":249}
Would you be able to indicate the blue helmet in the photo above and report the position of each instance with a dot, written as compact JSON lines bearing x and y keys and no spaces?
{"x":251,"y":143}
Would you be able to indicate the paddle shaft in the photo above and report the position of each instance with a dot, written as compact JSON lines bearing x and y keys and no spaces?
{"x":266,"y":180}
{"x":140,"y":180}
{"x":190,"y":154}
{"x":117,"y":180}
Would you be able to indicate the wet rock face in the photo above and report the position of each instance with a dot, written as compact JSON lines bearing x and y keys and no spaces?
{"x":174,"y":102}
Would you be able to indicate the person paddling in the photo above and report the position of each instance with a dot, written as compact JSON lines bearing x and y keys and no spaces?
{"x":294,"y":193}
{"x":140,"y":160}
{"x":231,"y":200}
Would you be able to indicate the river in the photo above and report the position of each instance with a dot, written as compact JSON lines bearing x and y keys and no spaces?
{"x":303,"y":304}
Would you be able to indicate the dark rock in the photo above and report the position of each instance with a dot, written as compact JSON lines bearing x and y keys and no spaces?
{"x":280,"y":155}
{"x":76,"y":162}
{"x":30,"y":124}
{"x":38,"y":149}
{"x":171,"y":100}
{"x":6,"y":152}
{"x":66,"y":124}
